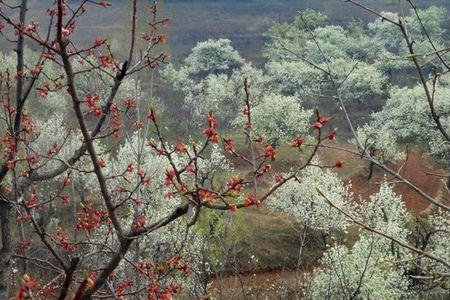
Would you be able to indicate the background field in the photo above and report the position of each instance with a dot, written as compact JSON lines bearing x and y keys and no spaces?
{"x":242,"y":21}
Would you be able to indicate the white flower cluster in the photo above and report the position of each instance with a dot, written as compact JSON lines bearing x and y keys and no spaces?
{"x":301,"y":199}
{"x":406,"y":118}
{"x":373,"y":267}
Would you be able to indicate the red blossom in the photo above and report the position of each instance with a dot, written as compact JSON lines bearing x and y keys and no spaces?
{"x":29,"y":284}
{"x":10,"y":164}
{"x":65,"y":32}
{"x":140,"y":222}
{"x":43,"y":92}
{"x":269,"y":151}
{"x":151,"y":115}
{"x":211,"y":134}
{"x":61,"y":239}
{"x":31,"y":28}
{"x":297,"y":141}
{"x":130,"y":168}
{"x":331,"y":135}
{"x":121,"y":189}
{"x":65,"y":200}
{"x":138,"y":125}
{"x":324,"y":120}
{"x":339,"y":164}
{"x":180,"y":148}
{"x":265,"y":169}
{"x":32,"y":200}
{"x":235,"y":184}
{"x":232,"y":207}
{"x":170,"y":174}
{"x":98,"y":112}
{"x":104,"y":3}
{"x":212,"y":122}
{"x":89,"y":219}
{"x":53,"y":149}
{"x":36,"y":70}
{"x":66,"y":181}
{"x":229,"y":144}
{"x":160,"y":38}
{"x":123,"y":285}
{"x":101,"y":163}
{"x":206,"y":195}
{"x":98,"y":42}
{"x":129,"y":103}
{"x":106,"y":61}
{"x":278,"y":178}
{"x":92,"y":100}
{"x":5,"y":188}
{"x":190,"y":169}
{"x":211,"y":131}
{"x":249,"y":200}
{"x":24,"y":246}
{"x":316,"y":125}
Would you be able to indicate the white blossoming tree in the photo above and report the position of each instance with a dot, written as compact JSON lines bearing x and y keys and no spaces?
{"x":373,"y":266}
{"x":300,"y":199}
{"x":210,"y":78}
{"x":407,"y":118}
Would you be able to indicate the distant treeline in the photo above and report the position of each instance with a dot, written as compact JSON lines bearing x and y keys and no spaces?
{"x":244,"y":22}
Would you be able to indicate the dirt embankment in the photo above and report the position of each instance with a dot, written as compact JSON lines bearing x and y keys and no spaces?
{"x":418,"y":169}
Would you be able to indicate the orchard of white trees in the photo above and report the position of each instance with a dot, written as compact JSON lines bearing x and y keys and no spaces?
{"x":111,"y":190}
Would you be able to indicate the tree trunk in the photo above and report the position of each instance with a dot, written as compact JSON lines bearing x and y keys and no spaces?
{"x":5,"y":208}
{"x":371,"y":166}
{"x":5,"y":249}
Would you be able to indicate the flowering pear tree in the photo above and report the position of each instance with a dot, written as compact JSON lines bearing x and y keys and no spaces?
{"x":378,"y":266}
{"x":301,"y":200}
{"x":294,"y":53}
{"x":210,"y":78}
{"x":416,"y":126}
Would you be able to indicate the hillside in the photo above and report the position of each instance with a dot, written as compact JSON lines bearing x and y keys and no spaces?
{"x":243,"y":22}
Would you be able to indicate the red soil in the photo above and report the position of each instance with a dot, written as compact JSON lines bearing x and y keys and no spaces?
{"x":418,"y":169}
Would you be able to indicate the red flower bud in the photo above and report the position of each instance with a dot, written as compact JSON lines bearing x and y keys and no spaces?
{"x":297,"y":141}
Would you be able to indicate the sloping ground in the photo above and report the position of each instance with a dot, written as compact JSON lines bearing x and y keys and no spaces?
{"x":419,"y":169}
{"x":274,"y":284}
{"x":276,"y":241}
